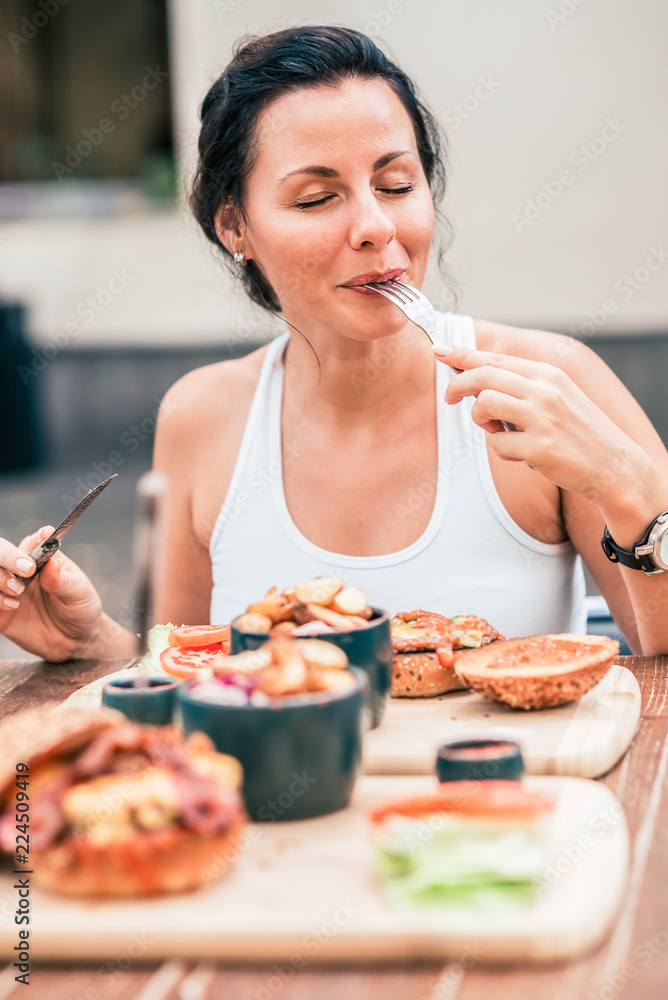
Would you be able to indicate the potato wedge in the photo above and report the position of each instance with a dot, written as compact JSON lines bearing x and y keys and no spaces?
{"x":272,"y":607}
{"x":319,"y":591}
{"x":284,"y":628}
{"x":247,"y":662}
{"x":342,"y":623}
{"x":289,"y":675}
{"x":335,"y":681}
{"x":358,"y":621}
{"x":253,"y":622}
{"x":286,"y":612}
{"x":349,"y":601}
{"x":321,"y":655}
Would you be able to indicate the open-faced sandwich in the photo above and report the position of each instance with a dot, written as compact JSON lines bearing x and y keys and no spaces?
{"x":538,"y":671}
{"x":425,"y":647}
{"x":468,"y":843}
{"x":117,"y":808}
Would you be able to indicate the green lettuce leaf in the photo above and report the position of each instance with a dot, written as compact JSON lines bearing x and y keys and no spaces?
{"x":157,"y":641}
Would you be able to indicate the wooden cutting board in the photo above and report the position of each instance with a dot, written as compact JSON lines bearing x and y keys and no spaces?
{"x":585,"y":738}
{"x":305,"y":893}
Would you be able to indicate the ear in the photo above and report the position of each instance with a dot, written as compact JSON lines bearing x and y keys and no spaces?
{"x":230,"y":227}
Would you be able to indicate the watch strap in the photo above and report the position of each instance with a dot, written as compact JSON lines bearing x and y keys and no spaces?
{"x":641,"y":555}
{"x":627,"y":557}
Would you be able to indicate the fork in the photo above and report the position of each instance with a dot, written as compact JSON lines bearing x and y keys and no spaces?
{"x":419,"y":310}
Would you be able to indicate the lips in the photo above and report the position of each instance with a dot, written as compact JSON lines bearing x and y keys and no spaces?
{"x":374,"y":277}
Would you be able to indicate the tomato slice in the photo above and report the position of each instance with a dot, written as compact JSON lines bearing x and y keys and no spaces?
{"x":198,"y":635}
{"x":445,"y":655}
{"x":500,"y":800}
{"x":187,"y":663}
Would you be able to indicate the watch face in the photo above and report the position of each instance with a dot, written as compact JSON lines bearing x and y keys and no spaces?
{"x":661,"y":549}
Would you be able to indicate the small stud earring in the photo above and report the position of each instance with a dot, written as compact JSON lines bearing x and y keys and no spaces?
{"x":239,"y":257}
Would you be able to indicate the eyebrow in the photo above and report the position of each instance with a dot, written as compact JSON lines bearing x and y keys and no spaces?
{"x":381,"y":162}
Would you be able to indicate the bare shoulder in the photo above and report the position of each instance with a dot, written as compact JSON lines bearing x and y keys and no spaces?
{"x":209,"y":396}
{"x":534,"y":345}
{"x":573,"y":357}
{"x":216,"y":388}
{"x":199,"y":431}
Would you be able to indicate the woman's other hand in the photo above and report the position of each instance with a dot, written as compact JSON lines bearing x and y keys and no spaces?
{"x":58,"y":614}
{"x":561,"y":432}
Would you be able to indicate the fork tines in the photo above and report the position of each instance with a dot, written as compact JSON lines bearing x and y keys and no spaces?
{"x":401,"y":293}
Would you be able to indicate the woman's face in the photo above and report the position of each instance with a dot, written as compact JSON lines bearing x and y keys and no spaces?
{"x":337,"y":196}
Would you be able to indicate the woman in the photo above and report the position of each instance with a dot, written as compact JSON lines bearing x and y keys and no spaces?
{"x":332,"y":450}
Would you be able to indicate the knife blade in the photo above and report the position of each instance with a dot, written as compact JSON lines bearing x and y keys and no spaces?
{"x":48,"y":548}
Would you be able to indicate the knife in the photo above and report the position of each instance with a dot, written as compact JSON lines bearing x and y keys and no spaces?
{"x":43,"y":552}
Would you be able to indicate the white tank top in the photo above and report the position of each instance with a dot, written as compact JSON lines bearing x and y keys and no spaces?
{"x":471,"y":559}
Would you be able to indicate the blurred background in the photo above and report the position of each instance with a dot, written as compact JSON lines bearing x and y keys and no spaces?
{"x":555,"y":113}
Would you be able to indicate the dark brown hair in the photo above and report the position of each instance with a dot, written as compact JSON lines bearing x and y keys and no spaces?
{"x":264,"y":69}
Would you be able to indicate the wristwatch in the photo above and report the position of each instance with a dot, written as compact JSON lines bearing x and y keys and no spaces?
{"x":650,"y":554}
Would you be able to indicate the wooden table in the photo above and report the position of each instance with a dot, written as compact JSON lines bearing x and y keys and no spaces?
{"x":631,"y":964}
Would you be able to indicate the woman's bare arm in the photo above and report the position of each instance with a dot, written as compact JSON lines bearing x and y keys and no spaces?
{"x":587,"y":434}
{"x":198,"y":435}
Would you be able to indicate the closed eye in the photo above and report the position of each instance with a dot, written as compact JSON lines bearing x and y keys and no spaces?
{"x":323,"y":201}
{"x":312,"y":204}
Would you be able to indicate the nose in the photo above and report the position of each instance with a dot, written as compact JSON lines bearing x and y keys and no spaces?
{"x":370,"y":225}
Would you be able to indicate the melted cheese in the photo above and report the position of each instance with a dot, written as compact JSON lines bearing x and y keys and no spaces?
{"x":112,"y":806}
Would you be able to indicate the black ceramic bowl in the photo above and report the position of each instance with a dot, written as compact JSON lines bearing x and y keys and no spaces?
{"x":300,"y":756}
{"x":153,"y":703}
{"x":369,"y":648}
{"x":479,"y":760}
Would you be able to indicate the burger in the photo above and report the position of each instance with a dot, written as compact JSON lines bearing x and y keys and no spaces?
{"x":426,"y":646}
{"x":117,"y":808}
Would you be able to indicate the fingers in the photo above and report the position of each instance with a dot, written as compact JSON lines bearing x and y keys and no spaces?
{"x":16,"y":565}
{"x":491,"y":407}
{"x":66,"y":581}
{"x":30,"y":542}
{"x":468,"y":358}
{"x":51,"y":573}
{"x":477,"y":380}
